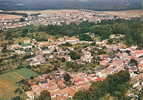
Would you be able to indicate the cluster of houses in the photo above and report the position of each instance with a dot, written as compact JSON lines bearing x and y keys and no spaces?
{"x":52,"y":18}
{"x":8,"y":21}
{"x":40,"y":51}
{"x":56,"y":84}
{"x":70,"y":16}
{"x":123,"y":58}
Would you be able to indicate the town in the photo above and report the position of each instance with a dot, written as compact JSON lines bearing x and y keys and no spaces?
{"x":52,"y":18}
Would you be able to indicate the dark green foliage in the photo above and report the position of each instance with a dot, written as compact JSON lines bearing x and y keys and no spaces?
{"x":82,"y":95}
{"x":102,"y":30}
{"x":72,"y":65}
{"x":85,"y":37}
{"x":56,"y":30}
{"x":133,"y":62}
{"x":18,"y":91}
{"x":67,"y":77}
{"x":45,"y":95}
{"x":17,"y":98}
{"x":66,"y":44}
{"x":74,"y":55}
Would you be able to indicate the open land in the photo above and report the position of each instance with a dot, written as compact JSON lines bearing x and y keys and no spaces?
{"x":42,"y":11}
{"x":124,"y":14}
{"x":9,"y":79}
{"x":7,"y":16}
{"x":121,"y":14}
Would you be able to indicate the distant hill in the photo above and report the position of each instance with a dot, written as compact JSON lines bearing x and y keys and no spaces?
{"x":68,"y":4}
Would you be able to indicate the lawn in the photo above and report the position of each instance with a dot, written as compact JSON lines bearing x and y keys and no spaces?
{"x":8,"y":81}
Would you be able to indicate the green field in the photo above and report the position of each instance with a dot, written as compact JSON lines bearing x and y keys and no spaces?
{"x":8,"y":81}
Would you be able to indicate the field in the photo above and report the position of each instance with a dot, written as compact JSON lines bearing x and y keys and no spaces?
{"x":124,"y":14}
{"x":43,"y":11}
{"x":121,"y":14}
{"x":8,"y":81}
{"x":8,"y":16}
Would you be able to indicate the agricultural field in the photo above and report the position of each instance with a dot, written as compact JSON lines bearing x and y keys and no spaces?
{"x":43,"y":11}
{"x":8,"y":16}
{"x":8,"y":81}
{"x":124,"y":14}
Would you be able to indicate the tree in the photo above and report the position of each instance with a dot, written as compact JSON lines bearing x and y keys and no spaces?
{"x":82,"y":95}
{"x":74,"y":55}
{"x":73,"y":66}
{"x":104,"y":31}
{"x":17,"y":98}
{"x":45,"y":68}
{"x":44,"y":95}
{"x":19,"y":91}
{"x":67,"y":77}
{"x":133,"y":62}
{"x":84,"y":37}
{"x":67,"y":44}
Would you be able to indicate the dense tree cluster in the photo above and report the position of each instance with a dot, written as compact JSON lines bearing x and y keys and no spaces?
{"x":74,"y":55}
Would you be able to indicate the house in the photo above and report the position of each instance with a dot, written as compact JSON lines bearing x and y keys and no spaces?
{"x":15,"y":46}
{"x":26,"y":46}
{"x":61,"y":84}
{"x":79,"y":80}
{"x":140,"y":66}
{"x":26,"y":41}
{"x":30,"y":95}
{"x":44,"y":44}
{"x":37,"y":60}
{"x":1,"y":48}
{"x":20,"y":52}
{"x":137,"y":53}
{"x":50,"y":85}
{"x":104,"y":62}
{"x":87,"y":57}
{"x":72,"y":40}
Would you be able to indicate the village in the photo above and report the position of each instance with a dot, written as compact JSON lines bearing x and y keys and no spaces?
{"x":117,"y":57}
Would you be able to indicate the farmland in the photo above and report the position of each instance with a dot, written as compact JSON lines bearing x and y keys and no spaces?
{"x":9,"y":79}
{"x":8,"y":16}
{"x":124,"y":14}
{"x":43,"y":11}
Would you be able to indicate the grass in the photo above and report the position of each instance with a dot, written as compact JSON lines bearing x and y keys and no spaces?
{"x":8,"y":81}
